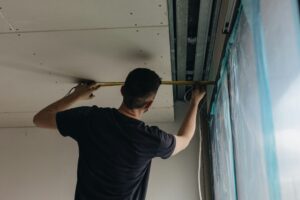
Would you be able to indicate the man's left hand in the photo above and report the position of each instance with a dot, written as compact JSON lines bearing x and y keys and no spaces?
{"x":85,"y":92}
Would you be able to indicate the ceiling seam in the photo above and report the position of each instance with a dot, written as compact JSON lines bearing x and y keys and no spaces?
{"x":84,"y":29}
{"x":17,"y":127}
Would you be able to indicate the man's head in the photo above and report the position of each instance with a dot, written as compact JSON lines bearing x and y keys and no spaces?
{"x":140,"y":88}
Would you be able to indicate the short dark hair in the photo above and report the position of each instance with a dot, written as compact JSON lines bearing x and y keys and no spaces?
{"x":139,"y":85}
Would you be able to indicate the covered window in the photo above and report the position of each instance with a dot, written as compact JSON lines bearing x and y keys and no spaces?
{"x":255,"y":114}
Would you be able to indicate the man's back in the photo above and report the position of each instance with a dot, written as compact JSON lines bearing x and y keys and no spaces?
{"x":115,"y":147}
{"x":115,"y":152}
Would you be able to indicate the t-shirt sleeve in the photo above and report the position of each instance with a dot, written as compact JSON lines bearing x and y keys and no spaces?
{"x":73,"y":122}
{"x":167,"y":143}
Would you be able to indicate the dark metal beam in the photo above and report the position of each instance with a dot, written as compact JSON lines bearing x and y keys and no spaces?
{"x":172,"y":22}
{"x":181,"y":42}
{"x":202,"y":37}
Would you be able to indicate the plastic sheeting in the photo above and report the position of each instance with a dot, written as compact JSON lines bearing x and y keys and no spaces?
{"x":280,"y":20}
{"x":248,"y":133}
{"x":222,"y":148}
{"x":256,"y":112}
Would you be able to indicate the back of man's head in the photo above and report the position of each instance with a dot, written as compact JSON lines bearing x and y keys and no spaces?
{"x":140,"y":84}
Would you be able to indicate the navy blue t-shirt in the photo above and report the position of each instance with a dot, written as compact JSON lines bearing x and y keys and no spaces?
{"x":115,"y":152}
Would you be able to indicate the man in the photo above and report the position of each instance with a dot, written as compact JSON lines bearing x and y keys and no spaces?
{"x":115,"y":146}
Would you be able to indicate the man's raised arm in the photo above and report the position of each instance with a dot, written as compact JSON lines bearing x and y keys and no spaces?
{"x":188,"y":126}
{"x":46,"y":118}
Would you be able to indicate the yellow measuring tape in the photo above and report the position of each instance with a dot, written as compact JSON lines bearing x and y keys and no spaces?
{"x":103,"y":84}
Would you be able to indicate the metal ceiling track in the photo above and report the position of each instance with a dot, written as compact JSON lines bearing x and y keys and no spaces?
{"x":189,"y":23}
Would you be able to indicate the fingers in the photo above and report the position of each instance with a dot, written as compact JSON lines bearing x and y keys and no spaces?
{"x":198,"y":87}
{"x":94,"y":86}
{"x":91,"y":96}
{"x":97,"y":87}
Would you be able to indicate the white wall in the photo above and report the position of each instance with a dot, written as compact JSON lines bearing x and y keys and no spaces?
{"x":40,"y":164}
{"x":176,"y":177}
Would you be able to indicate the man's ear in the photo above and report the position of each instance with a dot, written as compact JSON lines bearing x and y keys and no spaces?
{"x":122,"y":90}
{"x":148,"y":105}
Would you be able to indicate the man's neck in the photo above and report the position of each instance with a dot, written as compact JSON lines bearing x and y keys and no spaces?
{"x":132,"y":113}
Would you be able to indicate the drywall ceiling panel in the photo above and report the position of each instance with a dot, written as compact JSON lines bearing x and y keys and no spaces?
{"x":86,"y":54}
{"x":4,"y":26}
{"x":37,"y":15}
{"x":38,"y":68}
{"x":53,"y":44}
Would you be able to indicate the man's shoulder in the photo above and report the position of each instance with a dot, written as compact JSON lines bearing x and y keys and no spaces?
{"x":93,"y":111}
{"x":101,"y":109}
{"x":154,"y":131}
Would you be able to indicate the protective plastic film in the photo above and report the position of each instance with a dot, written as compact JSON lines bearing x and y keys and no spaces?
{"x":251,"y":169}
{"x":222,"y":152}
{"x":262,"y":61}
{"x":280,"y":20}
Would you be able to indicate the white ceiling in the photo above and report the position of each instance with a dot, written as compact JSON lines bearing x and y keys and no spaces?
{"x":46,"y":45}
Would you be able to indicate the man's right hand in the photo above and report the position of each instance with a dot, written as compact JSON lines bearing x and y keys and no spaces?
{"x":198,"y":94}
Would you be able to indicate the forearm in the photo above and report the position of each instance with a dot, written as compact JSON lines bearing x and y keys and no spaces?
{"x":62,"y":104}
{"x":188,"y":126}
{"x":187,"y":129}
{"x":46,"y":118}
